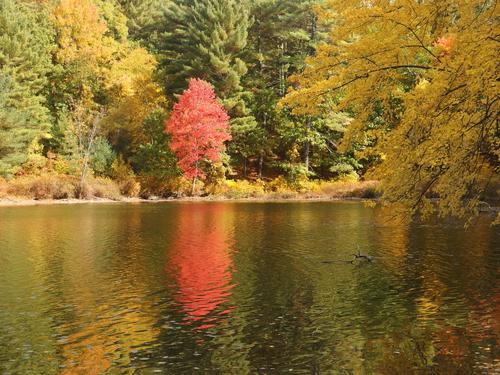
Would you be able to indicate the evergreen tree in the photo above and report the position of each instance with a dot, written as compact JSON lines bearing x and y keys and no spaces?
{"x":283,"y":34}
{"x":26,"y":40}
{"x":205,"y":39}
{"x":143,"y":17}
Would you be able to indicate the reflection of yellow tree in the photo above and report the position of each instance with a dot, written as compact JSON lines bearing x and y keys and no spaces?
{"x":23,"y":270}
{"x":448,"y":344}
{"x":391,"y":235}
{"x":483,"y":319}
{"x":393,"y":231}
{"x":108,"y":339}
{"x":109,"y":324}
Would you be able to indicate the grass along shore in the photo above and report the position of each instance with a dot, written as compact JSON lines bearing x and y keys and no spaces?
{"x":63,"y":189}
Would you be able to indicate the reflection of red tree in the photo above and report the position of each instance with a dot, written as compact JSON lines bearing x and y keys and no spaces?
{"x":484,"y":319}
{"x":200,"y":260}
{"x":481,"y":330}
{"x":452,"y":342}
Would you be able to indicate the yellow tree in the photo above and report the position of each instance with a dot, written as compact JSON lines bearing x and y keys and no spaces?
{"x":133,"y":95}
{"x":84,"y":48}
{"x":101,"y":71}
{"x":421,"y":80}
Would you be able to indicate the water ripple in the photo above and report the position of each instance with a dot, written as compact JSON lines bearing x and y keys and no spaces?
{"x":241,"y":288}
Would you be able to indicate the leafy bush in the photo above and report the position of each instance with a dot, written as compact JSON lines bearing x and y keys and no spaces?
{"x":63,"y":166}
{"x":101,"y":187}
{"x":58,"y":186}
{"x":103,"y":157}
{"x":164,"y":187}
{"x":3,"y":187}
{"x":310,"y":187}
{"x":123,"y":174}
{"x":130,"y":187}
{"x":295,"y":172}
{"x":49,"y":186}
{"x":350,"y":189}
{"x":280,"y":188}
{"x":279,"y":185}
{"x":238,"y":189}
{"x":35,"y":163}
{"x":215,"y":174}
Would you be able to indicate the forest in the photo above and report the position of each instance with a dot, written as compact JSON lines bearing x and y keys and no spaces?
{"x":241,"y":98}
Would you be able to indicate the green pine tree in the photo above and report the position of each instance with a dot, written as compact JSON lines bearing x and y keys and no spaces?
{"x":282,"y":35}
{"x":26,"y":41}
{"x":143,"y":17}
{"x":206,"y":39}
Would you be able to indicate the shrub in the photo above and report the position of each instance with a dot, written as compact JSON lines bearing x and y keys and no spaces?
{"x":49,"y":186}
{"x":130,"y":187}
{"x":164,"y":187}
{"x":295,"y":173}
{"x":285,"y":194}
{"x":62,"y":166}
{"x":350,"y":189}
{"x":101,"y":187}
{"x":238,"y":189}
{"x":278,"y":185}
{"x":3,"y":187}
{"x":125,"y":177}
{"x":102,"y":157}
{"x":120,"y":170}
{"x":311,"y":187}
{"x":34,"y":164}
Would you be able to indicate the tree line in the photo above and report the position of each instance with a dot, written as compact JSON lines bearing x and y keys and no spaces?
{"x":108,"y":72}
{"x":404,"y":91}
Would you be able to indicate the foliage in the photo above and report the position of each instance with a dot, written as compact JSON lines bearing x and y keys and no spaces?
{"x":199,"y":126}
{"x":133,"y":96}
{"x":23,"y":80}
{"x":421,"y":80}
{"x":154,"y":162}
{"x":101,"y":187}
{"x":142,"y":17}
{"x":3,"y":187}
{"x":122,"y":173}
{"x":206,"y":40}
{"x":47,"y":186}
{"x":238,"y":189}
{"x":102,"y":157}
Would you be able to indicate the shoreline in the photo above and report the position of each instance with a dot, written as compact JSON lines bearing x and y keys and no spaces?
{"x":21,"y":202}
{"x":24,"y":202}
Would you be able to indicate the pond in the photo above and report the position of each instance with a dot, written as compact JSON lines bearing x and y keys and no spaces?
{"x":242,"y":288}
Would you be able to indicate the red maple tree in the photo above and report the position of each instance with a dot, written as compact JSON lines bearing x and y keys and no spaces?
{"x":199,"y":126}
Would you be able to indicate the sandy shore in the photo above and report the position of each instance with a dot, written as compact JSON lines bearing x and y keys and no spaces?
{"x":8,"y":202}
{"x":20,"y":202}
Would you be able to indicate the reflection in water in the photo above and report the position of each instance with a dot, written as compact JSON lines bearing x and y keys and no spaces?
{"x":200,"y":260}
{"x":237,"y":288}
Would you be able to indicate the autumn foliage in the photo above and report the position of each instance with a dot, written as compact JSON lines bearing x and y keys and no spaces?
{"x":199,"y":126}
{"x":423,"y":99}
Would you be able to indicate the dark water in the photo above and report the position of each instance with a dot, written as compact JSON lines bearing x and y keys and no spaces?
{"x":239,"y":288}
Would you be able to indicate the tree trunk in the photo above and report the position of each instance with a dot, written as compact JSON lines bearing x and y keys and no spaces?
{"x":86,"y":154}
{"x":306,"y":155}
{"x":193,"y":186}
{"x":307,"y":145}
{"x":245,"y":167}
{"x":261,"y":162}
{"x":282,"y":87}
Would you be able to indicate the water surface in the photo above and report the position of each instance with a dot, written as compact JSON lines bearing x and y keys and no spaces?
{"x":240,"y":288}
